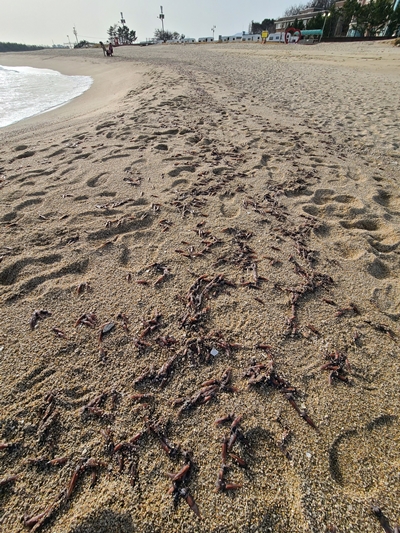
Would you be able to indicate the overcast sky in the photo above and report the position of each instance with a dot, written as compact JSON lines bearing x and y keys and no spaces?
{"x":45,"y":21}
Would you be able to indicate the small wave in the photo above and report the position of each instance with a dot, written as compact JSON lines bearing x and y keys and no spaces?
{"x":27,"y":91}
{"x":10,"y":69}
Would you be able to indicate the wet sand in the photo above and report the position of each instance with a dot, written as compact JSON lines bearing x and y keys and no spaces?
{"x":237,"y":199}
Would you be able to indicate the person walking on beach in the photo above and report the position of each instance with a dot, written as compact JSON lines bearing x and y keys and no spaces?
{"x":107,"y":51}
{"x":104,"y":49}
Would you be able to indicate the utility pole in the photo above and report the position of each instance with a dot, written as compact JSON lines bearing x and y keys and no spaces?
{"x":123,"y":28}
{"x":76,"y":34}
{"x":213,"y":30}
{"x":161,"y":17}
{"x":69,"y":41}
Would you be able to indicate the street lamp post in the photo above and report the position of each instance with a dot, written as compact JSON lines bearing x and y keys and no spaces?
{"x":213,"y":30}
{"x":323,"y":27}
{"x":161,"y":17}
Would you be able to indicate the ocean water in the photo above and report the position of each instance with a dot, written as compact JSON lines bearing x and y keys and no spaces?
{"x":26,"y":91}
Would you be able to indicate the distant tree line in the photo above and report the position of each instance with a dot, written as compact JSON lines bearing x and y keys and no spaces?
{"x":123,"y":33}
{"x":258,"y":27}
{"x":167,"y":35}
{"x":82,"y":44}
{"x":17,"y":47}
{"x":324,"y":5}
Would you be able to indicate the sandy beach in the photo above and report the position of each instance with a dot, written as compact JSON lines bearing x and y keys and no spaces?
{"x":210,"y":233}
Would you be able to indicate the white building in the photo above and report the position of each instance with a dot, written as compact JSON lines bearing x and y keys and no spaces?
{"x":249,"y":37}
{"x":276,"y":37}
{"x":240,"y":37}
{"x":230,"y":38}
{"x":206,"y":40}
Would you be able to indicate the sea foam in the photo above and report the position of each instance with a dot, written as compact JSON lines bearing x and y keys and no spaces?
{"x":26,"y":91}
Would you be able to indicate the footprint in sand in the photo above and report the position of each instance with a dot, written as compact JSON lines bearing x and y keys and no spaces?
{"x":387,"y":299}
{"x":58,"y":152}
{"x":387,"y":200}
{"x":24,"y":155}
{"x":229,"y":209}
{"x":312,"y":210}
{"x":105,"y":125}
{"x":344,"y":199}
{"x":176,"y":183}
{"x":385,"y":244}
{"x":265,"y":158}
{"x":163,"y":147}
{"x":377,"y":269}
{"x":28,"y":203}
{"x":170,"y":132}
{"x":37,"y":193}
{"x":285,"y":502}
{"x":29,"y":285}
{"x":101,"y":179}
{"x":9,"y":217}
{"x":115,"y":156}
{"x":347,"y":250}
{"x":132,"y":226}
{"x":325,"y":203}
{"x":362,"y":224}
{"x":361,"y":461}
{"x":178,"y":170}
{"x":378,"y":178}
{"x":79,"y":156}
{"x":323,"y":230}
{"x":36,"y":377}
{"x":9,"y":275}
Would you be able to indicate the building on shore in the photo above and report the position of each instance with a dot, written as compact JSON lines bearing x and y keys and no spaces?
{"x":240,"y":37}
{"x":336,"y":27}
{"x":251,"y":37}
{"x":277,"y":37}
{"x":305,"y":16}
{"x":229,"y":38}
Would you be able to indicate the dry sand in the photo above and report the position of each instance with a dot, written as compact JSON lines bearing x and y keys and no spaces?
{"x":232,"y":160}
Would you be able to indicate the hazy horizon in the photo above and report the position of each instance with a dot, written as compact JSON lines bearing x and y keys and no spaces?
{"x":50,"y":21}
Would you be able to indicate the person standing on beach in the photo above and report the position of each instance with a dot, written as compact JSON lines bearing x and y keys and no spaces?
{"x":110,"y":50}
{"x":104,"y":49}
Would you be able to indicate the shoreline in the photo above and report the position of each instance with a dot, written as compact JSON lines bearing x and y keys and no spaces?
{"x":110,"y":83}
